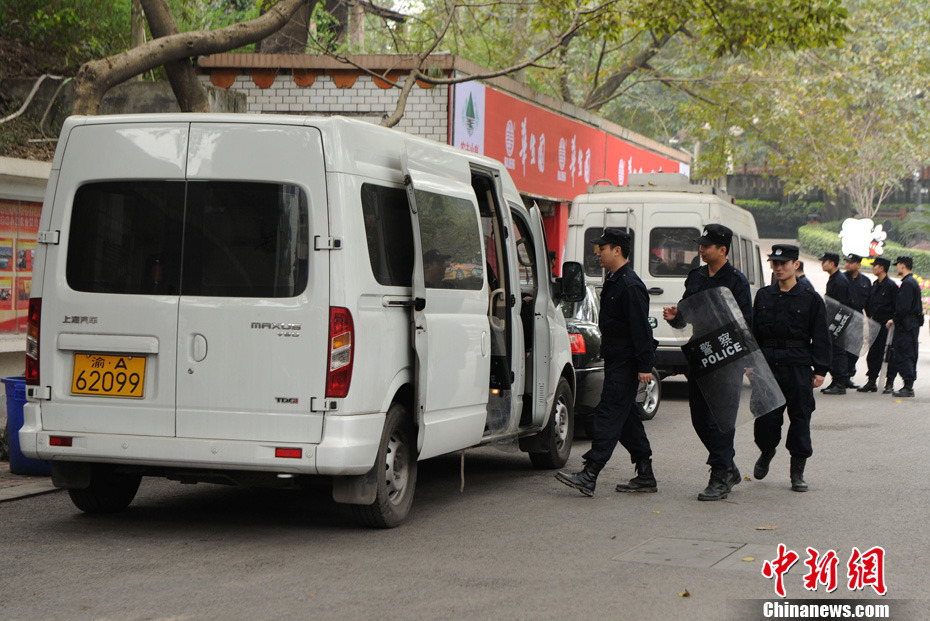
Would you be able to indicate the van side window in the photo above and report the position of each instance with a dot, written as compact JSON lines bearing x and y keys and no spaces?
{"x":672,"y":251}
{"x":125,"y":237}
{"x":592,"y":265}
{"x":389,"y":233}
{"x":751,"y":261}
{"x":734,"y":254}
{"x":240,"y":239}
{"x":451,"y":241}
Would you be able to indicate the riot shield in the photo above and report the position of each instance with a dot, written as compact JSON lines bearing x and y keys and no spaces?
{"x":719,"y":353}
{"x":850,"y":329}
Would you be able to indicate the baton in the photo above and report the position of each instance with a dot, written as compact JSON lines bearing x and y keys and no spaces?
{"x":886,"y":358}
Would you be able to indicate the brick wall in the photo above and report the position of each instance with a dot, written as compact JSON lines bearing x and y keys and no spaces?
{"x":426,"y":113}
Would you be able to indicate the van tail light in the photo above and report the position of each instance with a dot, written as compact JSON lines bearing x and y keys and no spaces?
{"x":33,"y":320}
{"x":577,"y":342}
{"x":341,"y":335}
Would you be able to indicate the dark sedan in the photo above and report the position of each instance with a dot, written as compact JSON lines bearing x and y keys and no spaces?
{"x":585,"y":337}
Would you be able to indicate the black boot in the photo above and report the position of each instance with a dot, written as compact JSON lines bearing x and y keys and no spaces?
{"x":907,"y":391}
{"x":762,"y":464}
{"x":889,"y":389}
{"x":733,"y":477}
{"x":797,"y":474}
{"x":869,"y":387}
{"x":718,"y":486}
{"x":851,"y":384}
{"x":583,"y":480}
{"x":835,"y":388}
{"x":643,"y":482}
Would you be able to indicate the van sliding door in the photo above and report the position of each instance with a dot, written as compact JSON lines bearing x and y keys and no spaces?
{"x":451,"y":329}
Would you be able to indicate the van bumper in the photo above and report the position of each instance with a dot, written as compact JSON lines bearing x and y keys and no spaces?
{"x":349,"y":446}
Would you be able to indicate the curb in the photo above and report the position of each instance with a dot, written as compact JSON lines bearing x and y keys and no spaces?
{"x":25,"y":490}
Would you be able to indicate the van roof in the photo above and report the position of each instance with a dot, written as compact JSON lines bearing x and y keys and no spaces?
{"x":350,"y":145}
{"x":659,"y":182}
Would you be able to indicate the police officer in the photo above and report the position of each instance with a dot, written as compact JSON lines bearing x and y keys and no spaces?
{"x":880,"y":307}
{"x":859,"y":288}
{"x":790,"y":325}
{"x":715,"y":245}
{"x":629,"y":355}
{"x":908,"y":317}
{"x":804,"y":280}
{"x":838,"y":289}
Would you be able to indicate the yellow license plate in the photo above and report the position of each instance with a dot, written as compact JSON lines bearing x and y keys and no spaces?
{"x":106,"y":375}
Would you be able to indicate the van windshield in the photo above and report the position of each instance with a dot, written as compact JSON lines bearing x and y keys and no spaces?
{"x":230,"y":239}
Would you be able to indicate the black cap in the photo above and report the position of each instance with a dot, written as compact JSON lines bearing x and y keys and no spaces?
{"x":614,"y":236}
{"x":784,"y":252}
{"x":433,"y":256}
{"x":853,"y":258}
{"x":715,"y":235}
{"x":906,"y":260}
{"x":885,"y":263}
{"x":831,"y":256}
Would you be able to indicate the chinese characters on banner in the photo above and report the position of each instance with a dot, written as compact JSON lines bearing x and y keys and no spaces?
{"x":546,"y":154}
{"x":864,"y":569}
{"x":19,"y":225}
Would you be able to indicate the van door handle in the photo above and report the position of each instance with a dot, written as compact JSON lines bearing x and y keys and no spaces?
{"x":656,"y":291}
{"x":200,"y":347}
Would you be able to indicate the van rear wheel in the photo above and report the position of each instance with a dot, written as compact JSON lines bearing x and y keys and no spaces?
{"x":559,"y":430}
{"x":396,"y":471}
{"x":109,"y":491}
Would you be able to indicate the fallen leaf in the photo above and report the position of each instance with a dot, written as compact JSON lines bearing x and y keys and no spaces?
{"x":766,"y":528}
{"x":749,"y":559}
{"x":687,"y":593}
{"x":656,"y":512}
{"x":747,"y":479}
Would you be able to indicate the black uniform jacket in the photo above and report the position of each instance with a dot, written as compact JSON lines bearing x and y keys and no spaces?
{"x":791,"y":327}
{"x":882,"y":300}
{"x":699,"y":279}
{"x":859,"y":287}
{"x":624,"y":318}
{"x":838,"y":288}
{"x":908,"y":305}
{"x":804,"y":280}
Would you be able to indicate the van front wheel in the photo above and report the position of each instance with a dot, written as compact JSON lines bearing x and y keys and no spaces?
{"x":559,"y":430}
{"x":109,"y":491}
{"x":396,"y":473}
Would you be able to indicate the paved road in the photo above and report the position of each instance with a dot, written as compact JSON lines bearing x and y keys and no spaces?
{"x":514,"y":544}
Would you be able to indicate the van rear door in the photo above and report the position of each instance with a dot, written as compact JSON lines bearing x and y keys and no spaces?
{"x":451,"y":328}
{"x":110,"y":300}
{"x":254,"y":310}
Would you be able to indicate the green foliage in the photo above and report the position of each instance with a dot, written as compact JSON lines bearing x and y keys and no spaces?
{"x":775,"y":219}
{"x":79,"y":29}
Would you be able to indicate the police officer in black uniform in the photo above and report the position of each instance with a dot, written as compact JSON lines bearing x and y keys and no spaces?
{"x":804,"y":280}
{"x":880,"y":307}
{"x":790,"y":325}
{"x":838,"y":289}
{"x":629,"y":355}
{"x":908,"y":317}
{"x":715,"y":244}
{"x":859,"y":288}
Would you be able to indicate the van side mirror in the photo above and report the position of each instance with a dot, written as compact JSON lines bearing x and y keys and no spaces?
{"x":571,"y":286}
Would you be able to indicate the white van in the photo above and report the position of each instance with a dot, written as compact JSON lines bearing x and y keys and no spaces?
{"x":665,"y":213}
{"x":261,"y":299}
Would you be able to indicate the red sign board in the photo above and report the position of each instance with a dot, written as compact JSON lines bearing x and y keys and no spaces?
{"x":547,"y":154}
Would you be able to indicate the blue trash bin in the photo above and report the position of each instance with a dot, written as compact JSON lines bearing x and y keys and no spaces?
{"x":15,"y":400}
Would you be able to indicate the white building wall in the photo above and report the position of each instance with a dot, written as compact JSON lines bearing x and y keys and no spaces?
{"x":426,"y":112}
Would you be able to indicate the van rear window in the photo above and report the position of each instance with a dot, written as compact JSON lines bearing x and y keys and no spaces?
{"x":592,"y":263}
{"x":236,"y":239}
{"x":673,"y":251}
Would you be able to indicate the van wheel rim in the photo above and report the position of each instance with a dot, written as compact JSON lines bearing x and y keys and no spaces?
{"x":561,"y":424}
{"x":650,"y":398}
{"x":395,"y":469}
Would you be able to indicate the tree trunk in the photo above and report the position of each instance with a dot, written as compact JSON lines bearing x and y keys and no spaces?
{"x":187,"y":88}
{"x":292,"y":39}
{"x":136,"y":27}
{"x":96,"y":77}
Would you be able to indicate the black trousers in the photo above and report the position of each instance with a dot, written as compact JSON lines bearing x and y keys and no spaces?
{"x":876,"y":354}
{"x":904,"y":357}
{"x":839,"y":369}
{"x":719,"y":444}
{"x":616,"y":419}
{"x":796,"y":383}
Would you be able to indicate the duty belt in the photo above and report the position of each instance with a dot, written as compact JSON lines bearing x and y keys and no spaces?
{"x":784,"y":343}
